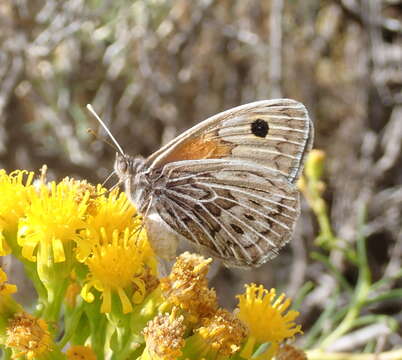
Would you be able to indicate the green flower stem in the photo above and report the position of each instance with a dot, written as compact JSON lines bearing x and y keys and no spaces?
{"x":73,"y":321}
{"x":326,"y":232}
{"x":386,"y":280}
{"x":369,"y":347}
{"x":320,"y":355}
{"x":301,"y":294}
{"x":122,"y":338}
{"x":326,"y":316}
{"x":55,"y":298}
{"x":394,"y":294}
{"x":30,"y":271}
{"x":125,"y":350}
{"x":375,"y":319}
{"x":98,"y":337}
{"x":361,"y":293}
{"x":98,"y":328}
{"x":319,"y":207}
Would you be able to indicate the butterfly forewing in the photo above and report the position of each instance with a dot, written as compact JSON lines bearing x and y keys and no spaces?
{"x":273,"y":133}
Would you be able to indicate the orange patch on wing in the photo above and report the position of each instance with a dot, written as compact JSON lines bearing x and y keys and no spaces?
{"x":201,"y":147}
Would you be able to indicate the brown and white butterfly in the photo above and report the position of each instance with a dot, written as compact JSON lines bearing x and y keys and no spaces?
{"x":227,"y":185}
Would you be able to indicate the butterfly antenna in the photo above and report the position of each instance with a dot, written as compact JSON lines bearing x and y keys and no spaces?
{"x":107,"y":142}
{"x":119,"y":148}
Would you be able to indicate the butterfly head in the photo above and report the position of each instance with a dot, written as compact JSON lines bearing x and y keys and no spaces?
{"x":126,"y":166}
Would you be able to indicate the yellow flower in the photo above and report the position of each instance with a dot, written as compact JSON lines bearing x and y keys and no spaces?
{"x":219,"y":337}
{"x":187,"y":286}
{"x":29,"y":336}
{"x":164,"y":337}
{"x":52,"y":223}
{"x":114,"y":211}
{"x":266,"y":316}
{"x":109,"y":212}
{"x":16,"y":190}
{"x":80,"y":352}
{"x":6,"y":289}
{"x":116,"y":265}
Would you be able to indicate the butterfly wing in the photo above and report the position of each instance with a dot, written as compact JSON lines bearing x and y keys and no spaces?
{"x":239,"y":212}
{"x":273,"y":133}
{"x":227,"y":184}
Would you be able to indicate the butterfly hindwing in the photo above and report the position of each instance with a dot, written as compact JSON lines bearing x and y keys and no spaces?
{"x":237,"y":211}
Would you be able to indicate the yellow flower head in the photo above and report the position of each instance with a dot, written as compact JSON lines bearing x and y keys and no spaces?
{"x":220,"y":335}
{"x":116,"y":265}
{"x":266,"y":315}
{"x":28,"y":336}
{"x":187,"y":286}
{"x":164,"y":337}
{"x":52,"y":223}
{"x":16,"y":190}
{"x":109,"y":212}
{"x":80,"y":352}
{"x":6,"y":289}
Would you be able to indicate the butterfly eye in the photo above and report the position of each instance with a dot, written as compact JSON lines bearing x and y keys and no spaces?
{"x":122,"y":166}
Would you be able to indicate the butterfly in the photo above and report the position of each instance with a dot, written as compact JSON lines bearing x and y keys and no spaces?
{"x":227,"y":185}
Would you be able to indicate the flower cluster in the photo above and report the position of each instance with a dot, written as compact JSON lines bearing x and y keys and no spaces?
{"x":215,"y":333}
{"x":88,"y":256}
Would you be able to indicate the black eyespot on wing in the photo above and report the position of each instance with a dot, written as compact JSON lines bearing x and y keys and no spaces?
{"x":236,"y":228}
{"x":260,"y":128}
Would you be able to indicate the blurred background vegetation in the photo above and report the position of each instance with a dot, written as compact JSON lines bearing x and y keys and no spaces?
{"x":153,"y":68}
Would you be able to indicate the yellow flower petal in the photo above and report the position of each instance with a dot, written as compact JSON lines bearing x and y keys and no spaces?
{"x":16,"y":190}
{"x":86,"y":294}
{"x":6,"y":289}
